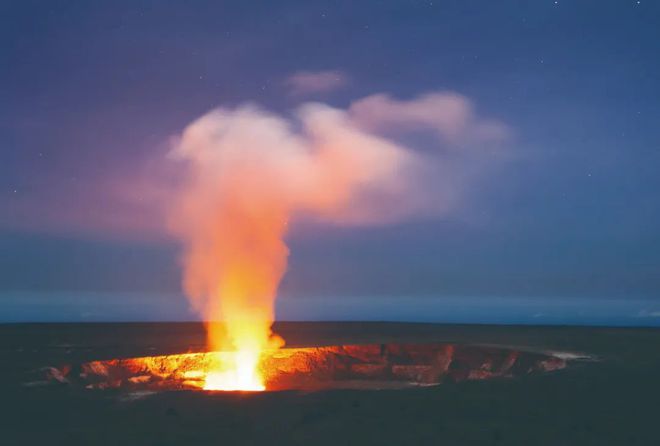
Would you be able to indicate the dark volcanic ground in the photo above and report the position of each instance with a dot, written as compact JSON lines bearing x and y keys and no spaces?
{"x":614,"y":400}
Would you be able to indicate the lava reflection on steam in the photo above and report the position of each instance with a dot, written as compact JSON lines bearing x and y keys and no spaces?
{"x":246,"y":174}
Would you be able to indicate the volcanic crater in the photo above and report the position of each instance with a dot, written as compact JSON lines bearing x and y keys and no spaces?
{"x":369,"y":366}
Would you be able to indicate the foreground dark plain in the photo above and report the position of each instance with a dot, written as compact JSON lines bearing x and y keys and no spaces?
{"x":610,"y":400}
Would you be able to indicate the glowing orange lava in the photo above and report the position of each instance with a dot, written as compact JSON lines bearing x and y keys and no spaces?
{"x":239,"y":371}
{"x":310,"y":368}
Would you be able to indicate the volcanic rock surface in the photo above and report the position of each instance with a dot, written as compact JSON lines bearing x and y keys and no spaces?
{"x":348,"y":366}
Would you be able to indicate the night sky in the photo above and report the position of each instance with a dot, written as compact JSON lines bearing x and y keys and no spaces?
{"x":560,"y":225}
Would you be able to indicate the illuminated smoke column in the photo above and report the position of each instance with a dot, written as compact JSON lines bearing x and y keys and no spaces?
{"x":248,"y":174}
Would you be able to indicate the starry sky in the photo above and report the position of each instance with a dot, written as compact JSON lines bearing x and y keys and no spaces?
{"x":560,"y":225}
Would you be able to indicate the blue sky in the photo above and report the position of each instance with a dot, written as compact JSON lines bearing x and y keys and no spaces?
{"x":563,"y":216}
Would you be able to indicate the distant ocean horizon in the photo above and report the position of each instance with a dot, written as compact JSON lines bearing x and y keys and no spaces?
{"x":22,"y":306}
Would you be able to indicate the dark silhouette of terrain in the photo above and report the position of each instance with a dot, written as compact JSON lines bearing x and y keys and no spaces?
{"x":609,"y":400}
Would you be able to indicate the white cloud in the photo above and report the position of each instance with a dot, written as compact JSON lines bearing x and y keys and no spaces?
{"x":450,"y":115}
{"x":648,"y":313}
{"x":308,"y":82}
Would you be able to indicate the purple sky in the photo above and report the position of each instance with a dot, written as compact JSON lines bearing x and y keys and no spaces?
{"x":563,"y":208}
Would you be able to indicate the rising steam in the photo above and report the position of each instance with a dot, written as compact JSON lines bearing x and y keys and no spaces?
{"x":249,"y":174}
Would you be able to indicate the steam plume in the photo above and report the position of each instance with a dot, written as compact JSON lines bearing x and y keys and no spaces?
{"x":250,"y":172}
